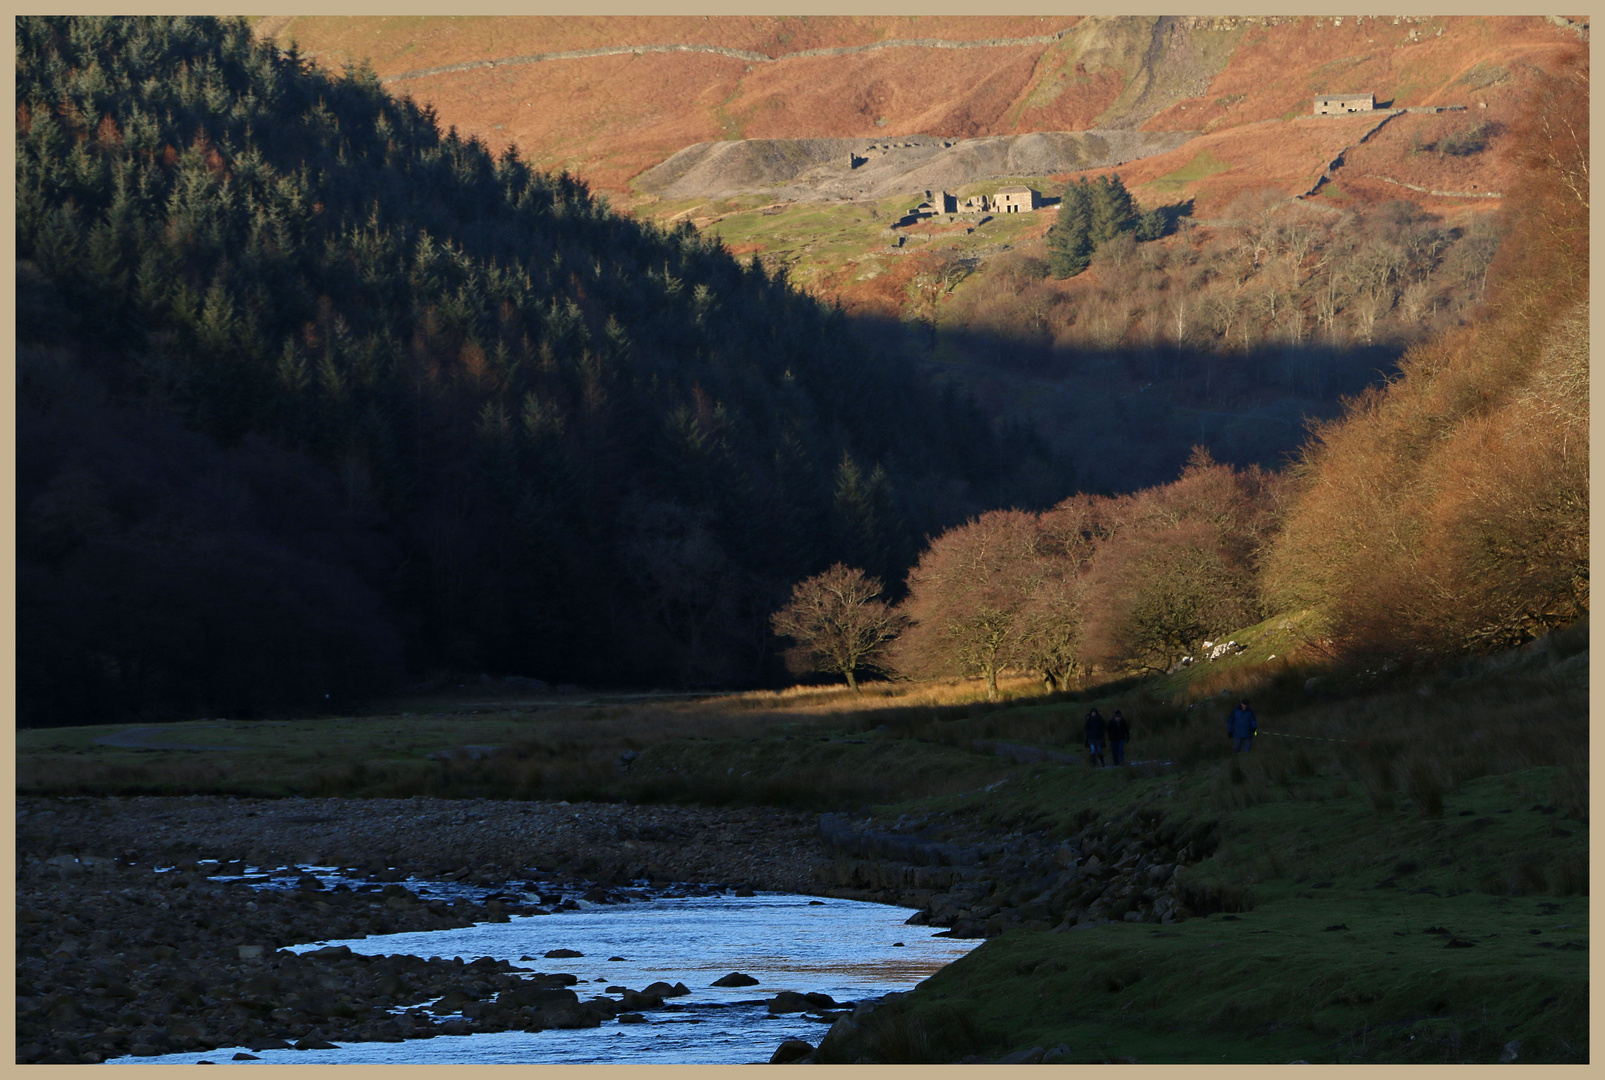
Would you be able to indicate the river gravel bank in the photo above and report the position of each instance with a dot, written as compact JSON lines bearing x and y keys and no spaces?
{"x":757,"y":847}
{"x":115,"y":958}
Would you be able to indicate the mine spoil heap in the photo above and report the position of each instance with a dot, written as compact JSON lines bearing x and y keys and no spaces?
{"x":833,"y":169}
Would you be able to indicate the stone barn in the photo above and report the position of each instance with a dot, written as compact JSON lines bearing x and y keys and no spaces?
{"x":1342,"y":104}
{"x":1016,"y":200}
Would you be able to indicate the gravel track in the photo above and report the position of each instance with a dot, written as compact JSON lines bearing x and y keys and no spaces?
{"x":743,"y":55}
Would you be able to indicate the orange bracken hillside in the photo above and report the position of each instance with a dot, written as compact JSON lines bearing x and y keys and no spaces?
{"x":608,"y":117}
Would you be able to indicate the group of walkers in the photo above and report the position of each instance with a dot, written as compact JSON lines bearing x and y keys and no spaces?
{"x":1118,"y":731}
{"x":1241,"y":727}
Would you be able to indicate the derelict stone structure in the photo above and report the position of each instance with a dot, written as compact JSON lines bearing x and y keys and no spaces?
{"x":1015,"y":200}
{"x":1343,"y":104}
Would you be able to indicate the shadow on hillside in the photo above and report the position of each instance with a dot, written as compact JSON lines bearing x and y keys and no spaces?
{"x":1128,"y":416}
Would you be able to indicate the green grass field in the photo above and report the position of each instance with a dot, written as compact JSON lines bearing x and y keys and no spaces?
{"x":1364,"y":935}
{"x":1203,"y":165}
{"x":1335,"y":976}
{"x":820,"y":240}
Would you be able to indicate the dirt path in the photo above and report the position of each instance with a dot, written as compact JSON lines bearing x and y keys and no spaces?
{"x":148,"y":738}
{"x":717,"y":50}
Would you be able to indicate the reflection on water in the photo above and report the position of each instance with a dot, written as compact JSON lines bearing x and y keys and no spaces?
{"x":845,"y":948}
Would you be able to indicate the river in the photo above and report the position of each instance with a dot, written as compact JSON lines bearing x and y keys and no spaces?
{"x":848,"y":949}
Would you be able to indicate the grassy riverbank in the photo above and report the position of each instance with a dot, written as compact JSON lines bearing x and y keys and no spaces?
{"x":1340,"y":975}
{"x":1353,"y":934}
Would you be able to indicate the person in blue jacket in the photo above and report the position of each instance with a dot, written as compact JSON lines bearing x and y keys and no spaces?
{"x":1241,"y":726}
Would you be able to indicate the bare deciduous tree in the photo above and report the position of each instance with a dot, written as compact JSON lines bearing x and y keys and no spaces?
{"x":1049,"y":631}
{"x":1178,"y":564}
{"x":838,"y":621}
{"x":965,"y":596}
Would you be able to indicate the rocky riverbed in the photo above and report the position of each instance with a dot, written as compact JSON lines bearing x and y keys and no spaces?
{"x":126,"y":944}
{"x":115,"y":957}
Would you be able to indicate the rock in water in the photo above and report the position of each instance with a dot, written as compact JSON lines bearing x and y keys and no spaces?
{"x":736,"y":978}
{"x":663,"y":989}
{"x":790,"y":1051}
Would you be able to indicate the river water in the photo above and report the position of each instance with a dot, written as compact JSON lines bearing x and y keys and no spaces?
{"x":848,"y":949}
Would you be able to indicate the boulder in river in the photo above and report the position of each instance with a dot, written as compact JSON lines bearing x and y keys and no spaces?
{"x":736,"y":978}
{"x":788,"y":1001}
{"x":563,"y":954}
{"x":632,"y":1000}
{"x":663,"y":989}
{"x":790,"y":1051}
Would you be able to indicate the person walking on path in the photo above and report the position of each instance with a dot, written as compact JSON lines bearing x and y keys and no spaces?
{"x":1241,"y":726}
{"x":1095,"y":729}
{"x":1119,"y":733}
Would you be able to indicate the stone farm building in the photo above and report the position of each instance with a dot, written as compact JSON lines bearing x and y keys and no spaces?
{"x":1015,"y":200}
{"x":1009,"y":200}
{"x":1341,"y":104}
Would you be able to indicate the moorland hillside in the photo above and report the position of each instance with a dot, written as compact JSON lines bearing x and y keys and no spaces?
{"x":610,"y":96}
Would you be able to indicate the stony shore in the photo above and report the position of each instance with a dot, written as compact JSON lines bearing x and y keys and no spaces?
{"x":493,"y":840}
{"x":115,"y":958}
{"x":126,"y":946}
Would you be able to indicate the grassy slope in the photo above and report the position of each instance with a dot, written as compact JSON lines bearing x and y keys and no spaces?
{"x":1339,"y":956}
{"x":844,"y":251}
{"x":611,"y":117}
{"x":1352,"y":884}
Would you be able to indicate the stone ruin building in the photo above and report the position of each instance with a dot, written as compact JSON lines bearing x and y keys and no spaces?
{"x":1009,"y":200}
{"x":1015,"y":200}
{"x":1343,"y":104}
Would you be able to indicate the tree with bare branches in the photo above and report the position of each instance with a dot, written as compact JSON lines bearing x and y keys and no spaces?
{"x":1178,"y":564}
{"x":966,"y":596}
{"x":838,"y":621}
